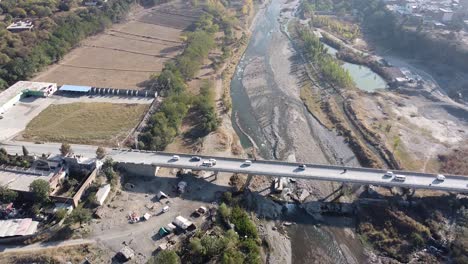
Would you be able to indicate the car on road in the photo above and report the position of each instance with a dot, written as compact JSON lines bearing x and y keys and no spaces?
{"x":399,"y":177}
{"x":207,"y":163}
{"x":247,"y":163}
{"x":175,"y":158}
{"x":389,"y":174}
{"x":195,"y":158}
{"x":213,"y":161}
{"x":440,"y":177}
{"x":302,"y":167}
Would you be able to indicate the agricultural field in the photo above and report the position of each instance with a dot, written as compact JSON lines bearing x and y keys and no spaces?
{"x":127,"y":54}
{"x":85,"y":123}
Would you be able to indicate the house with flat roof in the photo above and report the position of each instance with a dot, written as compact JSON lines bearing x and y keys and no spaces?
{"x":22,"y":89}
{"x":20,"y":26}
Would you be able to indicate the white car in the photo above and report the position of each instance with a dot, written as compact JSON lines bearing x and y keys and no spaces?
{"x":175,"y":157}
{"x":247,"y":163}
{"x":302,"y":167}
{"x":400,"y":178}
{"x":440,"y":177}
{"x":207,"y":163}
{"x":389,"y":174}
{"x":213,"y":161}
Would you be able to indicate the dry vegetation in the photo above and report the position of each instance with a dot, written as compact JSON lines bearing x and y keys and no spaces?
{"x":85,"y":123}
{"x":73,"y":254}
{"x":455,"y":162}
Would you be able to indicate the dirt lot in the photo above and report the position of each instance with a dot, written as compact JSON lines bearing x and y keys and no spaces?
{"x":415,"y":128}
{"x":113,"y":229}
{"x":128,"y":53}
{"x":85,"y":123}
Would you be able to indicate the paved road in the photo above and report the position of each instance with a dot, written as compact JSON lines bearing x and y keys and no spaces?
{"x":364,"y":176}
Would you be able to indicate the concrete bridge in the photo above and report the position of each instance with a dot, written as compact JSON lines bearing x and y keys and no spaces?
{"x":364,"y":176}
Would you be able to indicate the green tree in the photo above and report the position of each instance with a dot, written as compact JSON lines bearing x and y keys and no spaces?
{"x":65,"y":149}
{"x":232,"y":256}
{"x":18,"y":12}
{"x":80,"y":215}
{"x":7,"y":195}
{"x":61,"y":214}
{"x":165,"y":257}
{"x":40,"y":189}
{"x":196,"y":247}
{"x":100,"y":152}
{"x":224,"y":212}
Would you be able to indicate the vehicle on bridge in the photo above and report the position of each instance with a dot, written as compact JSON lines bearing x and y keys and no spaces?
{"x":440,"y":177}
{"x":195,"y":158}
{"x":400,"y":178}
{"x":207,"y":163}
{"x":247,"y":163}
{"x":302,"y":167}
{"x":389,"y":174}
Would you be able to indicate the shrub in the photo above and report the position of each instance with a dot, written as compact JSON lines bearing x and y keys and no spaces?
{"x":165,"y":257}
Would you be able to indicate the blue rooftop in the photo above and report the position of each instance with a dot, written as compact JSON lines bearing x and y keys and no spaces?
{"x":75,"y":88}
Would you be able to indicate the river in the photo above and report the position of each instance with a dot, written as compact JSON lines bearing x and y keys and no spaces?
{"x":266,"y":105}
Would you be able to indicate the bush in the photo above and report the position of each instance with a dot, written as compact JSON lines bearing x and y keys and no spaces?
{"x":79,"y":215}
{"x":224,"y":212}
{"x":60,"y":214}
{"x":7,"y":195}
{"x":417,"y":239}
{"x":165,"y":257}
{"x":244,"y":226}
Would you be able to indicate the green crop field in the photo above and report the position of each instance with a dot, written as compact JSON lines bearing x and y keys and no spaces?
{"x":85,"y":123}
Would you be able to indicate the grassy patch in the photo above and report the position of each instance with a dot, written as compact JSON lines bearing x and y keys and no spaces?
{"x":313,"y":102}
{"x":85,"y":123}
{"x":74,"y":254}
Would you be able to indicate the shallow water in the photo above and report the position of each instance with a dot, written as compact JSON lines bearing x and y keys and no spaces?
{"x":364,"y":78}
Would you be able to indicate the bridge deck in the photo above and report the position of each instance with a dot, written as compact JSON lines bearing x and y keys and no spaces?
{"x":416,"y":180}
{"x":454,"y":183}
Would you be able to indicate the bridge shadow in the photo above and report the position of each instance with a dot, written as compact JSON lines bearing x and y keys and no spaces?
{"x":325,"y":211}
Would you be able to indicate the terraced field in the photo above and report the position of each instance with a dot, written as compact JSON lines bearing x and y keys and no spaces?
{"x":126,"y":55}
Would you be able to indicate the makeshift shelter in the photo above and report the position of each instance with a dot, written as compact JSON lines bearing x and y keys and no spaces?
{"x":146,"y":216}
{"x":162,"y":195}
{"x":126,"y":253}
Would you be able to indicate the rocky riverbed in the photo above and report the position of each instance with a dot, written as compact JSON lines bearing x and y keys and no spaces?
{"x":266,"y":99}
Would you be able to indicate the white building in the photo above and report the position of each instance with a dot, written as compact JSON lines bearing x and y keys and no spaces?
{"x":21,"y":89}
{"x":19,"y":26}
{"x":102,"y":194}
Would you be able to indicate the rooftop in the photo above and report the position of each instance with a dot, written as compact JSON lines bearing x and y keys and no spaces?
{"x":17,"y":227}
{"x":75,"y":88}
{"x":19,"y":87}
{"x":19,"y":179}
{"x":27,"y":24}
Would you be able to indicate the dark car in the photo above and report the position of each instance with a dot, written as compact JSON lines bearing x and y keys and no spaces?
{"x":195,"y":158}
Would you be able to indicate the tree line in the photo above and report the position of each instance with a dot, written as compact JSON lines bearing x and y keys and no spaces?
{"x":23,"y":54}
{"x":317,"y":54}
{"x":171,"y":82}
